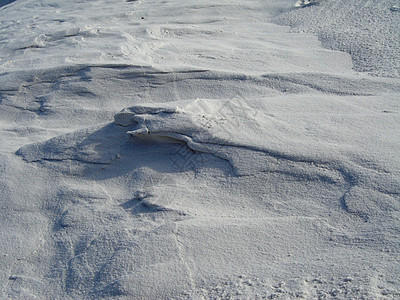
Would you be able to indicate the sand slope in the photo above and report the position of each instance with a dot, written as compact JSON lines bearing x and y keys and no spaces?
{"x":177,"y":150}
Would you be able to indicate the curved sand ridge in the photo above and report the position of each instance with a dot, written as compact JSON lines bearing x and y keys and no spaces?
{"x":227,"y":129}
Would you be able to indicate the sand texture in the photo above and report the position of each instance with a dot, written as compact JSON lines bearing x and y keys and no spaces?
{"x":199,"y":149}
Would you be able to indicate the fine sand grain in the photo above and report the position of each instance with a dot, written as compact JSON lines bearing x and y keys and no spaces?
{"x":199,"y":150}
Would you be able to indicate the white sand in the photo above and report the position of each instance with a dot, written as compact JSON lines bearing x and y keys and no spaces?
{"x":368,"y":30}
{"x":185,"y":150}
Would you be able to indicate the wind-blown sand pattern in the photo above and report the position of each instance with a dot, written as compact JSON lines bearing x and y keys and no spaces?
{"x":186,"y":150}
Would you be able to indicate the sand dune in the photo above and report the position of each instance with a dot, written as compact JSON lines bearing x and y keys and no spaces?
{"x":185,"y":150}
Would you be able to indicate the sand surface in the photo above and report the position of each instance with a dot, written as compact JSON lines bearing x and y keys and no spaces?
{"x":199,"y":150}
